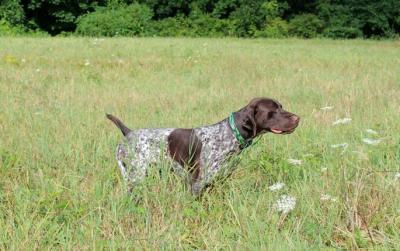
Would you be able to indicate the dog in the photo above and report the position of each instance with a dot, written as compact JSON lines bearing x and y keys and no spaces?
{"x":201,"y":154}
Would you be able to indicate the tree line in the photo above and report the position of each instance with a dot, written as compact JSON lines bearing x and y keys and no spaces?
{"x":210,"y":18}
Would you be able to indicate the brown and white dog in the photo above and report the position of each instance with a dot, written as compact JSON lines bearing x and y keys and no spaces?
{"x":200,"y":154}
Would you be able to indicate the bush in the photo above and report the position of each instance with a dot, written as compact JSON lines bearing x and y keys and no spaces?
{"x":132,"y":20}
{"x":277,"y":28}
{"x":170,"y":27}
{"x":339,"y":21}
{"x":193,"y":27}
{"x":342,"y":32}
{"x":12,"y":12}
{"x":305,"y":25}
{"x":213,"y":27}
{"x":6,"y":29}
{"x":249,"y":17}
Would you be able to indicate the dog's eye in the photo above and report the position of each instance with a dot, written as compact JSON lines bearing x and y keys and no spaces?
{"x":270,"y":114}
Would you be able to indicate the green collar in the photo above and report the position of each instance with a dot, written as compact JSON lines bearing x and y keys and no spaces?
{"x":243,"y":143}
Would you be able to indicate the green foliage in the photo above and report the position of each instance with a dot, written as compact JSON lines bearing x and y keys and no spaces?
{"x":164,"y":9}
{"x":270,"y":9}
{"x":55,"y":16}
{"x":6,"y":29}
{"x":339,"y":21}
{"x":224,"y":8}
{"x":193,"y":27}
{"x":209,"y":18}
{"x":132,"y":20}
{"x":249,"y":17}
{"x":377,"y":18}
{"x":276,"y":28}
{"x":305,"y":25}
{"x":12,"y":12}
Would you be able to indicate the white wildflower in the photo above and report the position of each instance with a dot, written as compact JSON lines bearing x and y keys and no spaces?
{"x":295,"y":161}
{"x":371,"y":141}
{"x":23,"y":60}
{"x":285,"y":204}
{"x":327,"y":197}
{"x":370,"y":131}
{"x":397,"y":176}
{"x":37,"y":70}
{"x":344,"y":145}
{"x":276,"y":186}
{"x":87,"y":63}
{"x":327,"y":108}
{"x":342,"y":121}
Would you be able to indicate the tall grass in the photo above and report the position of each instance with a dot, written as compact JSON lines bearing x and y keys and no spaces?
{"x":59,"y":182}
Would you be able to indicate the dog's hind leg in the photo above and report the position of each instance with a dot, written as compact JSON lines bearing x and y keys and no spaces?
{"x":132,"y":169}
{"x":121,"y":156}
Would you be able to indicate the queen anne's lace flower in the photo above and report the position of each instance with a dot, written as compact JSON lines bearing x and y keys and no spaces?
{"x":371,"y":141}
{"x":342,"y":121}
{"x":327,"y":197}
{"x":327,"y":108}
{"x":344,"y":145}
{"x":276,"y":186}
{"x":294,"y":161}
{"x":285,"y":204}
{"x":370,"y":131}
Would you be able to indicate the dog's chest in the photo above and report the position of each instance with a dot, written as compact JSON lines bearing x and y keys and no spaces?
{"x":218,"y":145}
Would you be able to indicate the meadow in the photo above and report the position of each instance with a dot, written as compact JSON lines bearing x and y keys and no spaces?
{"x":60,"y":187}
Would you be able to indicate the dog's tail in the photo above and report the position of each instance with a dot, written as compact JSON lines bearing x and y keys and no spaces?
{"x":125,"y":130}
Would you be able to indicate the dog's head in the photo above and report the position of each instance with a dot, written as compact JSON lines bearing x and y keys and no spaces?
{"x":267,"y":115}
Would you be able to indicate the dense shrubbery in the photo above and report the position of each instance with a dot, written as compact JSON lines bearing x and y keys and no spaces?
{"x":213,"y":18}
{"x":132,"y":20}
{"x":6,"y":29}
{"x":276,"y":28}
{"x":193,"y":27}
{"x":306,"y":25}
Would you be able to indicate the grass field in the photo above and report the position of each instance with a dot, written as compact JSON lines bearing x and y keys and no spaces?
{"x":60,"y":187}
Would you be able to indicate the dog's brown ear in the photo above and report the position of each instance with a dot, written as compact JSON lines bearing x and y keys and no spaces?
{"x":251,"y":113}
{"x":252,"y":127}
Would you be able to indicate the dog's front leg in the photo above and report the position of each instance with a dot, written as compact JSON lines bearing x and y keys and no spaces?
{"x":197,"y":188}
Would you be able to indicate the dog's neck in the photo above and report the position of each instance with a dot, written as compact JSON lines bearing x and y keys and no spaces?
{"x":243,"y":124}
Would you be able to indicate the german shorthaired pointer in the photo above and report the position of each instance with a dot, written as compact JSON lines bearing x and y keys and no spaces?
{"x":204,"y":153}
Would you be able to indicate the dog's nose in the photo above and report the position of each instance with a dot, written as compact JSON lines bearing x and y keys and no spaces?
{"x":295,"y":119}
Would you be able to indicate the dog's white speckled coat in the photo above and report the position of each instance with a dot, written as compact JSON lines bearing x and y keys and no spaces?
{"x":143,"y":147}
